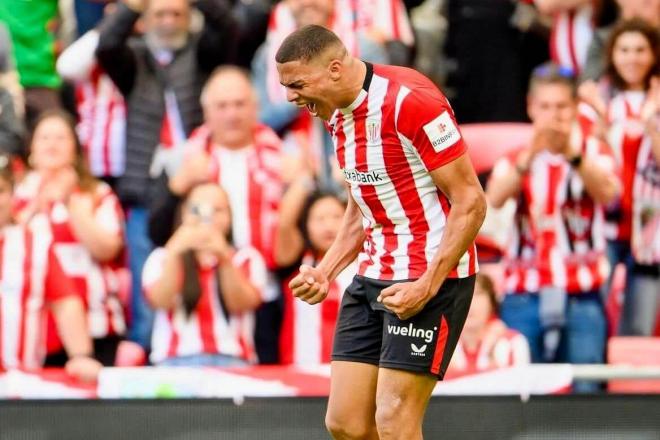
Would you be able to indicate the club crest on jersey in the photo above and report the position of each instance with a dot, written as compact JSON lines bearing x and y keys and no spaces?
{"x":373,"y":130}
{"x":442,"y":132}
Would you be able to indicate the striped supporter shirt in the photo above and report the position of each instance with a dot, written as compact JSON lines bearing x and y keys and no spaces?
{"x":99,"y":282}
{"x":558,"y":237}
{"x":209,"y":329}
{"x":30,"y":278}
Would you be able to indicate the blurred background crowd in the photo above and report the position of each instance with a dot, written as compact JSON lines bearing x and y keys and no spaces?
{"x":157,"y":190}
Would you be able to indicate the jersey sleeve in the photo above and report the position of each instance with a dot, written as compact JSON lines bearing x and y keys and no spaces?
{"x":57,"y":284}
{"x":427,"y":121}
{"x":253,"y":266}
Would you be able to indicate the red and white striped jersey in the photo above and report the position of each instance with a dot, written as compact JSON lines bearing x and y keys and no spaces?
{"x":560,"y":233}
{"x":570,"y":37}
{"x":397,"y":130}
{"x":251,"y":177}
{"x":625,"y":136}
{"x":495,"y":350}
{"x":102,"y":124}
{"x":308,"y":330}
{"x":30,"y":279}
{"x":209,"y":328}
{"x":99,"y":283}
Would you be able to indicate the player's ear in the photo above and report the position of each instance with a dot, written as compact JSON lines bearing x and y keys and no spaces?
{"x":335,"y":69}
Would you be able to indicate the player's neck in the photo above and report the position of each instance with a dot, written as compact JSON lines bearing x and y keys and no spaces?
{"x":354,"y":79}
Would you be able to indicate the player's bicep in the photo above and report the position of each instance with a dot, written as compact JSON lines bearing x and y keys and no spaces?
{"x":458,"y":180}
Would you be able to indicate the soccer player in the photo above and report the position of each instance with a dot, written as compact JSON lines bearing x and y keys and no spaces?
{"x":415,"y":206}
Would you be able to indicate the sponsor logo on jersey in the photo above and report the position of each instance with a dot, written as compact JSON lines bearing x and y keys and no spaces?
{"x":355,"y":176}
{"x":442,"y":132}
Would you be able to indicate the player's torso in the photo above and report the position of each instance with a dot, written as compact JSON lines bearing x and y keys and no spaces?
{"x":379,"y":168}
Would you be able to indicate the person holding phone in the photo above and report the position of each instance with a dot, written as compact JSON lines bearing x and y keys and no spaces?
{"x":203,"y":288}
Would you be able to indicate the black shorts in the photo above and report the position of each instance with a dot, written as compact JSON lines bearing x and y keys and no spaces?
{"x":367,"y":332}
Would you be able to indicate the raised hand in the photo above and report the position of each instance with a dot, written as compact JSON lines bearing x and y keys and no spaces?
{"x":589,"y":93}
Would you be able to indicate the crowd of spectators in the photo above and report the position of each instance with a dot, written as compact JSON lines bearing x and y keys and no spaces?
{"x":158,"y":189}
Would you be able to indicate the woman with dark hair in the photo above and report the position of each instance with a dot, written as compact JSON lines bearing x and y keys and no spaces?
{"x":309,"y":222}
{"x":624,"y":110}
{"x":486,"y":342}
{"x":204,"y":290}
{"x":60,"y":198}
{"x":32,"y":282}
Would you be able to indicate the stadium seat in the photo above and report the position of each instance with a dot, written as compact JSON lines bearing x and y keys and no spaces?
{"x":489,"y":141}
{"x":639,"y":351}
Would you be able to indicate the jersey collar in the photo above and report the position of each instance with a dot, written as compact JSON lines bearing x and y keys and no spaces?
{"x":363,"y":92}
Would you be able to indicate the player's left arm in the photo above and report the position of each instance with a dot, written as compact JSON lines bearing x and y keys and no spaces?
{"x":458,"y":181}
{"x":426,"y":123}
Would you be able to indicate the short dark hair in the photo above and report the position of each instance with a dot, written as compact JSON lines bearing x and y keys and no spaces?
{"x":551,"y":73}
{"x":306,"y":43}
{"x":649,"y":32}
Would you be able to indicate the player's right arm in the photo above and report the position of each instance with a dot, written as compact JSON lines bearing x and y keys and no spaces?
{"x":311,"y":284}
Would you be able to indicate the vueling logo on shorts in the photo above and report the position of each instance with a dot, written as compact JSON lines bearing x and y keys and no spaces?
{"x":355,"y":176}
{"x":412,"y":332}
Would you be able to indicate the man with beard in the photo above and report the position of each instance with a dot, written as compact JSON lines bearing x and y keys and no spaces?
{"x":161,"y":75}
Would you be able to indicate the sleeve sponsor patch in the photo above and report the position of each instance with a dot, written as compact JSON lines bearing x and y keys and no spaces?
{"x":442,"y":132}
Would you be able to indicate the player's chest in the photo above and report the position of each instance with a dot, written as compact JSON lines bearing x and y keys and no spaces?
{"x":370,"y":152}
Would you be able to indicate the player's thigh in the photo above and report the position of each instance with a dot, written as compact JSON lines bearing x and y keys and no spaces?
{"x":352,"y":403}
{"x":401,"y":400}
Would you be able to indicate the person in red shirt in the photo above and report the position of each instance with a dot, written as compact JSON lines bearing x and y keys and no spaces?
{"x":622,"y":109}
{"x":414,"y":208}
{"x":33,"y":282}
{"x":59,"y":198}
{"x":557,"y":266}
{"x":308,"y":224}
{"x":486,"y":343}
{"x":203,"y":288}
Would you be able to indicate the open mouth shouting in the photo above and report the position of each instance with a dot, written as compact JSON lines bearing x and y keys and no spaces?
{"x":311,"y":108}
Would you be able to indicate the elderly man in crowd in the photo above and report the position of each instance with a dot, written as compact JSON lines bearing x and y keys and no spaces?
{"x":160,"y":75}
{"x":232,"y":149}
